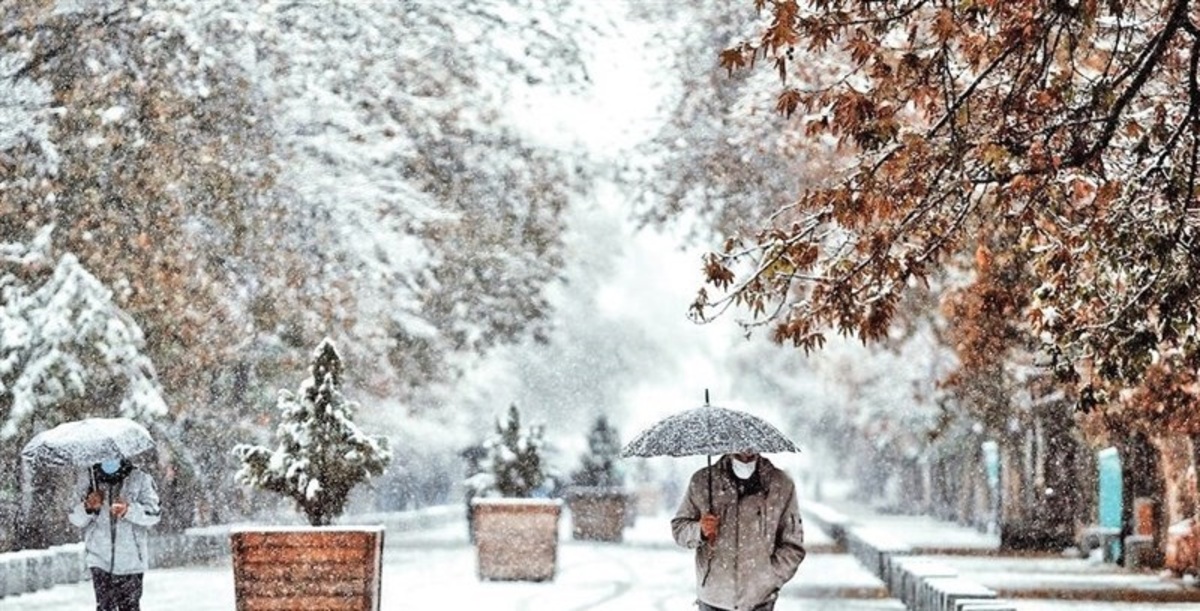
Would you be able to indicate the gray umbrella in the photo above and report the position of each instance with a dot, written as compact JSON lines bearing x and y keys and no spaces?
{"x":86,"y":442}
{"x":709,"y":429}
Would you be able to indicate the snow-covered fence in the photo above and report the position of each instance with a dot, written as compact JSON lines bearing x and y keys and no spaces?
{"x":12,"y":575}
{"x":26,"y":571}
{"x":32,"y":570}
{"x":829,"y":520}
{"x":873,"y":547}
{"x":927,"y":585}
{"x":952,"y":594}
{"x":906,"y":573}
{"x":193,"y":546}
{"x":407,"y":521}
{"x":70,"y":563}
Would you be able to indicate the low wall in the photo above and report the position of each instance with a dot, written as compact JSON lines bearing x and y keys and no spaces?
{"x":922,"y":585}
{"x":32,"y":570}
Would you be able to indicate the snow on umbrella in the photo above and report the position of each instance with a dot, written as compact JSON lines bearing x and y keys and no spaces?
{"x":709,"y":429}
{"x":86,"y":442}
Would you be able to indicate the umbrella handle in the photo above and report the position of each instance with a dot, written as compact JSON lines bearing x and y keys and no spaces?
{"x":710,"y":549}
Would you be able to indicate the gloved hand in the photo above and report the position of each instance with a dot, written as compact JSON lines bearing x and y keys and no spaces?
{"x":93,"y":501}
{"x":119,"y":508}
{"x":709,"y":524}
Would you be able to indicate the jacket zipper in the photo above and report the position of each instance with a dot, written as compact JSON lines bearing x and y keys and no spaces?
{"x":112,"y":530}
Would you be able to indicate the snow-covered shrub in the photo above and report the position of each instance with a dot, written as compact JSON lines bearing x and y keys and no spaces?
{"x":600,"y":466}
{"x":513,"y":466}
{"x":321,"y":454}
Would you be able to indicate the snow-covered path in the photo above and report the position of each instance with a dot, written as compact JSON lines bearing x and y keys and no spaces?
{"x":435,"y":569}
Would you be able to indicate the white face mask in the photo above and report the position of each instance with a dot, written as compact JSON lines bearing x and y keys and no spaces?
{"x":743,"y":470}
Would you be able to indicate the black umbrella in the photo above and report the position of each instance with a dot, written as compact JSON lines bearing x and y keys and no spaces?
{"x":82,"y":443}
{"x":709,"y":430}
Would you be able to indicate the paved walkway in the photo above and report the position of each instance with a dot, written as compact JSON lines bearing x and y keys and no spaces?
{"x":435,"y":569}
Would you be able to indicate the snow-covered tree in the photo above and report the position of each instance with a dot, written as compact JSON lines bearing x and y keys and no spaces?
{"x":513,"y":466}
{"x":320,"y":455}
{"x":717,"y":160}
{"x":229,"y":148}
{"x":1063,"y":136}
{"x":67,"y":351}
{"x":244,"y":132}
{"x":600,"y":465}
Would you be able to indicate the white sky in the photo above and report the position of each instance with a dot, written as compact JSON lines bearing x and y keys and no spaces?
{"x":644,"y":280}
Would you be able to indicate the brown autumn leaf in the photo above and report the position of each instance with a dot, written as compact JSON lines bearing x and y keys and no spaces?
{"x":732,"y":59}
{"x":789,"y":100}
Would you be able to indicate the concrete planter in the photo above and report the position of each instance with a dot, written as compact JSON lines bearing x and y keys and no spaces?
{"x":597,"y":514}
{"x":516,"y":539}
{"x":328,"y":567}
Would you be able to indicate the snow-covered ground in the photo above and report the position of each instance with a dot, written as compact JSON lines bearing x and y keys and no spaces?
{"x":435,"y":568}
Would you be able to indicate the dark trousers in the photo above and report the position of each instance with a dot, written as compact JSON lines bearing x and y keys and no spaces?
{"x":767,"y":606}
{"x":117,"y":592}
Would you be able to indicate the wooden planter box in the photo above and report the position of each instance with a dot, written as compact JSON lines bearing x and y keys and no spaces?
{"x":333,"y":568}
{"x":597,"y":514}
{"x":516,"y":539}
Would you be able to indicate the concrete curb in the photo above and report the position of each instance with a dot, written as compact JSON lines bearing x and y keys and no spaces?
{"x":920,"y":586}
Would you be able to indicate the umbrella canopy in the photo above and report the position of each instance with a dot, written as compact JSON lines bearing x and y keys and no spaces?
{"x":709,"y":430}
{"x":86,"y":442}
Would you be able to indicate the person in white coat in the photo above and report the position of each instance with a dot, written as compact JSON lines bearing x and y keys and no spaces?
{"x":117,"y":504}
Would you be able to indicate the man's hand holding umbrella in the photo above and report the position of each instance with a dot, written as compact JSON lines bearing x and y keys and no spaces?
{"x":93,"y":501}
{"x":709,"y":527}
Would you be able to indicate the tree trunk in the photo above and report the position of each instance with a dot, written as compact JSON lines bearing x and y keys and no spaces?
{"x":1195,"y":439}
{"x":1142,"y":477}
{"x":1040,"y":483}
{"x":1060,"y":503}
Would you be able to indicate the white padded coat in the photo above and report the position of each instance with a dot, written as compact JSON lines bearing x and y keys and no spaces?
{"x":120,"y":546}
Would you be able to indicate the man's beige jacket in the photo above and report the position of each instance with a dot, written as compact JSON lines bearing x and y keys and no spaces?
{"x":760,"y":541}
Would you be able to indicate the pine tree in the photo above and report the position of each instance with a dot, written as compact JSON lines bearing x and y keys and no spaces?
{"x":599,"y":466}
{"x":321,"y":454}
{"x":67,"y":350}
{"x":513,"y":467}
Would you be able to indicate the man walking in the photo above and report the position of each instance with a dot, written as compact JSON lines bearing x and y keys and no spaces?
{"x":742,"y":518}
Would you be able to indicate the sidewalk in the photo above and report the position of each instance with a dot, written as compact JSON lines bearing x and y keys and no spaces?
{"x":1031,"y":582}
{"x":434,"y":568}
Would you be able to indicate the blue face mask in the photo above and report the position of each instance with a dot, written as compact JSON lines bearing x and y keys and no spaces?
{"x":110,"y":467}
